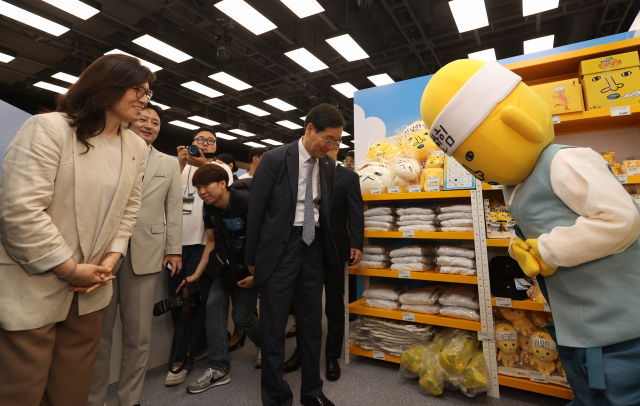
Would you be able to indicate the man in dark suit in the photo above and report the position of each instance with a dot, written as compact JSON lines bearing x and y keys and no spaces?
{"x":289,"y":245}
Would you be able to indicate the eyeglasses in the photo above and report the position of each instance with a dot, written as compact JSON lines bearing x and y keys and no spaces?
{"x":141,"y":91}
{"x":329,"y":142}
{"x":208,"y":141}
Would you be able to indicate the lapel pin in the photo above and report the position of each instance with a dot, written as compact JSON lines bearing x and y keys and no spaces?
{"x":133,"y":157}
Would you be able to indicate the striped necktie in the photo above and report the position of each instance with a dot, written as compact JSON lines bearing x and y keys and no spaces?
{"x":309,"y":227}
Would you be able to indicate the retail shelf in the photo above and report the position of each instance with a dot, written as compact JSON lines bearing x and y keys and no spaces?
{"x":596,"y":120}
{"x":354,"y":349}
{"x":543,"y":388}
{"x":394,"y":197}
{"x":526,"y":304}
{"x":633,"y":179}
{"x":431,"y":235}
{"x":498,"y":242}
{"x":423,"y":276}
{"x":358,"y":307}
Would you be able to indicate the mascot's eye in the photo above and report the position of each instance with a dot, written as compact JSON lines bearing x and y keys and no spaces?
{"x":538,"y":351}
{"x":513,"y":345}
{"x":378,"y":173}
{"x":505,"y":344}
{"x":547,"y":353}
{"x":627,"y":73}
{"x":469,"y":156}
{"x":597,"y":78}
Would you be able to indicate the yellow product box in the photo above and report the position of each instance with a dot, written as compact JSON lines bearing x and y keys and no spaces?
{"x":609,"y":156}
{"x":561,"y":97}
{"x":611,"y":81}
{"x":631,"y":167}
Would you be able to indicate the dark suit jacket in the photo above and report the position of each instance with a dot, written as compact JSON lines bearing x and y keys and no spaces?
{"x":347,"y":213}
{"x":274,"y":194}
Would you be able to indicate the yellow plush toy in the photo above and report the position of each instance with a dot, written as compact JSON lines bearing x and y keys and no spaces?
{"x":519,"y":319}
{"x":382,"y":149}
{"x":544,"y":351}
{"x":415,"y":141}
{"x":507,"y":344}
{"x":434,"y":168}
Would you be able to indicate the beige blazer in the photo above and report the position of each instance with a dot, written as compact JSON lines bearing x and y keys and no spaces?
{"x":161,"y":193}
{"x":50,"y":194}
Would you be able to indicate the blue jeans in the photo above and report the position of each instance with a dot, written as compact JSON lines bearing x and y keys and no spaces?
{"x":216,"y":321}
{"x":191,"y":256}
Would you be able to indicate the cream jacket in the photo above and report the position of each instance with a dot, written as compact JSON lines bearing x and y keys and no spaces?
{"x":49,"y":198}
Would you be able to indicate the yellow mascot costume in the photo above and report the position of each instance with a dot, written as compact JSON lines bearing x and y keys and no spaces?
{"x":578,"y":230}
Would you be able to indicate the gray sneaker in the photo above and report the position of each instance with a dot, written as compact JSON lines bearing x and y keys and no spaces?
{"x":210,"y":378}
{"x":258,"y":364}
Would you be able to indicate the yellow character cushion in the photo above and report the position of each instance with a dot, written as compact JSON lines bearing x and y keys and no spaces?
{"x":416,"y":142}
{"x":519,"y":319}
{"x":544,"y":351}
{"x":382,"y":149}
{"x":405,"y":171}
{"x":495,"y":126}
{"x":434,"y":168}
{"x":373,"y":174}
{"x":507,"y":344}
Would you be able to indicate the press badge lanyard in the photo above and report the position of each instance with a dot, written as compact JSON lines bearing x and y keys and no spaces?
{"x":187,"y":201}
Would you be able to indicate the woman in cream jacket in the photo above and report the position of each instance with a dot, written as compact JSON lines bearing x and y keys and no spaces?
{"x":69,"y":197}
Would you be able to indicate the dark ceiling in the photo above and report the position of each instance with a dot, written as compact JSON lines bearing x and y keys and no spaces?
{"x":404,"y":38}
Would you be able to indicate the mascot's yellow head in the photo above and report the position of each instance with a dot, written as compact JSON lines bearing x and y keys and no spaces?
{"x":487,"y":119}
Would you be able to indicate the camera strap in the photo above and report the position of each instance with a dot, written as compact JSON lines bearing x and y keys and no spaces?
{"x":181,"y":325}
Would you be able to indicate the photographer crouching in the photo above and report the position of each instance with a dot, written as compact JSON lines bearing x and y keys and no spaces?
{"x":225,"y":217}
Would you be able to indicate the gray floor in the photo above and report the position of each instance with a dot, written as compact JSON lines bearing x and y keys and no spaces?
{"x":364,"y":381}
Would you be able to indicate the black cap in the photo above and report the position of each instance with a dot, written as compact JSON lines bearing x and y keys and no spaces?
{"x":502,"y":274}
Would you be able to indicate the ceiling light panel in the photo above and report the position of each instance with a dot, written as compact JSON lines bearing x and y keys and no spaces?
{"x":65,"y":77}
{"x":246,"y":16}
{"x":381,"y":79}
{"x":254,"y":110}
{"x":303,"y":8}
{"x":346,"y":89}
{"x":306,"y":59}
{"x":343,"y":146}
{"x":242,"y":132}
{"x":6,"y":57}
{"x":202,"y":89}
{"x":488,"y":55}
{"x":538,"y":44}
{"x":289,"y":124}
{"x":225,"y":136}
{"x":345,"y":134}
{"x":31,"y":19}
{"x":347,"y":47}
{"x":280,"y":105}
{"x":152,"y":67}
{"x":184,"y":125}
{"x":538,"y":6}
{"x":469,"y":14}
{"x":230,"y":81}
{"x":162,"y":49}
{"x":162,"y":106}
{"x":303,"y":118}
{"x":75,"y":7}
{"x":271,"y":142}
{"x":53,"y":88}
{"x":203,"y":120}
{"x":255,"y":144}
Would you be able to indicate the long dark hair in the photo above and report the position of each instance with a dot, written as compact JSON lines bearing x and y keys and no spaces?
{"x":103,"y":83}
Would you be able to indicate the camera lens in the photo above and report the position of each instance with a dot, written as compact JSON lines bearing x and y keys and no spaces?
{"x":193,"y":150}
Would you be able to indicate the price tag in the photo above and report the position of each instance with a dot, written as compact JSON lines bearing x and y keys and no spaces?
{"x":408,"y":234}
{"x":539,"y":377}
{"x":485,"y":337}
{"x":633,"y":171}
{"x":497,"y":187}
{"x":408,"y":317}
{"x":503,"y":302}
{"x":563,"y":382}
{"x":546,"y":307}
{"x":378,"y":355}
{"x":520,"y":373}
{"x":393,"y":189}
{"x":556,"y":119}
{"x":376,"y":190}
{"x":623,"y":178}
{"x":433,"y":180}
{"x":433,"y":188}
{"x":620,"y":111}
{"x":414,"y":189}
{"x":404,"y":274}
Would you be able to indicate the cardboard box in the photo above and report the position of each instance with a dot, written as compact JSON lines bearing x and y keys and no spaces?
{"x":562,"y":97}
{"x":611,"y":81}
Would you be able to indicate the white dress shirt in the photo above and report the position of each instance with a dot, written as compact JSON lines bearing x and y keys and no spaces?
{"x":245,"y":176}
{"x":303,"y":166}
{"x":609,"y":221}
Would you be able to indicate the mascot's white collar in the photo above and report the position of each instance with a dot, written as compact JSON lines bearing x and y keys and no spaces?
{"x":471,"y":105}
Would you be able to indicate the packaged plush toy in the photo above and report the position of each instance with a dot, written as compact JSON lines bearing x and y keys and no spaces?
{"x":415,"y":141}
{"x":507,"y":344}
{"x":544,"y":351}
{"x":374,"y":174}
{"x":381,"y":147}
{"x":519,"y":319}
{"x":434,"y":168}
{"x":405,"y":172}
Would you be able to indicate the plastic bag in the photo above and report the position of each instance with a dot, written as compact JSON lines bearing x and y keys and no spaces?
{"x":431,"y":380}
{"x":374,"y":264}
{"x":380,"y":228}
{"x":382,"y":304}
{"x":411,"y":360}
{"x":386,"y":219}
{"x":455,"y":215}
{"x":376,"y":249}
{"x":456,"y":223}
{"x":475,"y":379}
{"x":461,"y":346}
{"x":416,"y":222}
{"x":374,"y":174}
{"x":412,"y":250}
{"x":409,"y":260}
{"x":368,"y":223}
{"x":419,"y":227}
{"x":456,"y":229}
{"x":415,"y":210}
{"x":383,"y":291}
{"x":456,"y":261}
{"x":412,"y":267}
{"x":426,"y":309}
{"x":375,"y":257}
{"x":461,"y":295}
{"x":452,"y":208}
{"x":408,"y":217}
{"x":427,"y":295}
{"x":449,"y":251}
{"x":456,"y":270}
{"x":380,"y":211}
{"x":460,"y":313}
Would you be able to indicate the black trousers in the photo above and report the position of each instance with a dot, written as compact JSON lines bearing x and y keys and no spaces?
{"x":297,"y":278}
{"x":334,"y":299}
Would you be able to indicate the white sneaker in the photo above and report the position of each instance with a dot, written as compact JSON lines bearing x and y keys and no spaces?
{"x":258,"y":364}
{"x":175,"y":379}
{"x":210,"y":378}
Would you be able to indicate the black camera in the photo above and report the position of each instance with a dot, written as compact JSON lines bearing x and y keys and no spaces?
{"x":191,"y":293}
{"x":193,"y":150}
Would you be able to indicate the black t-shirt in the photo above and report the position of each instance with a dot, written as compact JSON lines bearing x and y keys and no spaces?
{"x":232,"y":217}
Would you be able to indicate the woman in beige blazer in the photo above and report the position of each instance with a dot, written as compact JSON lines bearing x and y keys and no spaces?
{"x":69,"y":197}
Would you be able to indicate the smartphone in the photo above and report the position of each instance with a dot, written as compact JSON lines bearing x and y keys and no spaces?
{"x":169,"y":267}
{"x":351,"y":260}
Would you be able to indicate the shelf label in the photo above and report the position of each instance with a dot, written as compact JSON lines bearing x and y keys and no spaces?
{"x":376,"y":190}
{"x":520,"y":373}
{"x":503,"y":302}
{"x":408,"y":317}
{"x":378,"y":355}
{"x":485,"y":337}
{"x":546,"y":307}
{"x":539,"y":377}
{"x":433,"y":180}
{"x":408,"y":234}
{"x":620,"y":111}
{"x":497,"y":187}
{"x":556,"y":119}
{"x":404,"y":274}
{"x":433,"y":188}
{"x":633,"y":171}
{"x":623,"y":178}
{"x":414,"y":189}
{"x":393,"y":189}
